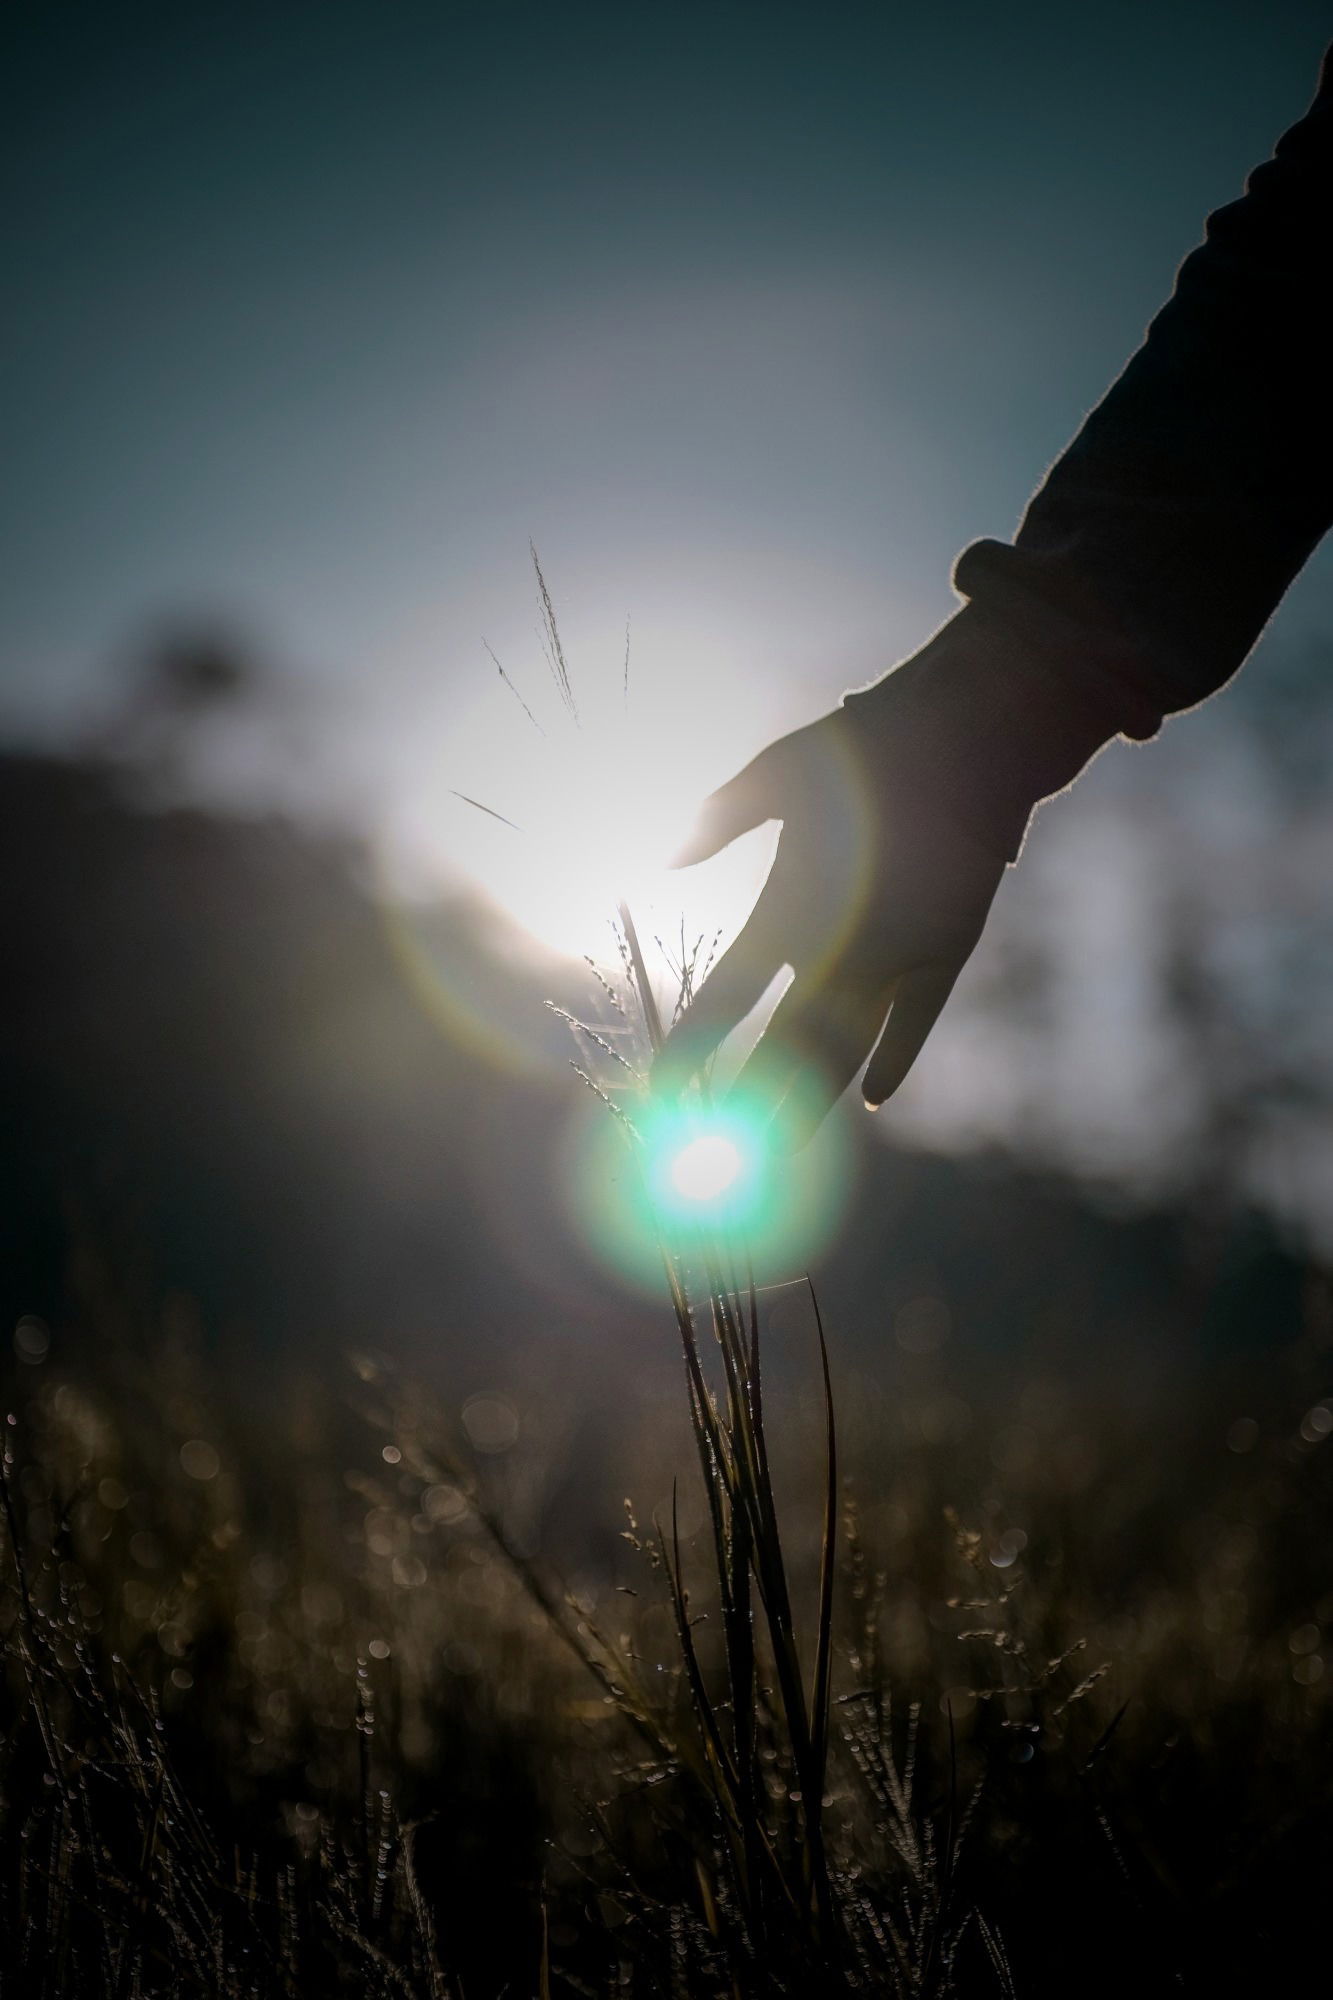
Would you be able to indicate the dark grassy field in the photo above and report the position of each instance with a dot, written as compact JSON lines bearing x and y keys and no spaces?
{"x":333,"y":1659}
{"x":304,"y":1694}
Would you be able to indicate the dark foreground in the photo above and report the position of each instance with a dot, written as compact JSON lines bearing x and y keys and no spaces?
{"x":326,"y":1673}
{"x":296,"y":1700}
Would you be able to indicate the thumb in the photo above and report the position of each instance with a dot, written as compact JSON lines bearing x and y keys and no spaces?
{"x":744,"y":802}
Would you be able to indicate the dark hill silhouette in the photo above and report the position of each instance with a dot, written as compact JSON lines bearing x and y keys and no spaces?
{"x":211,"y":1053}
{"x":205,"y":1033}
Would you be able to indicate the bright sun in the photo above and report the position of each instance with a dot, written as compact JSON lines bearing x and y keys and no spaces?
{"x":588,"y":817}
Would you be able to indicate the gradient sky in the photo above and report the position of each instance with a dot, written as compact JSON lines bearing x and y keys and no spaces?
{"x":750,"y":316}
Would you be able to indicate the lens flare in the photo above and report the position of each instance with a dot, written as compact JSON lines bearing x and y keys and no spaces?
{"x":669,"y":1171}
{"x":706,"y":1167}
{"x":703,"y":1165}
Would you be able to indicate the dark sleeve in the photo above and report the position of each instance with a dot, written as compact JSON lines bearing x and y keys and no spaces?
{"x":1161,"y":542}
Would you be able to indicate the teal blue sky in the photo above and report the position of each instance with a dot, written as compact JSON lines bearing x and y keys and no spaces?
{"x":750,"y":316}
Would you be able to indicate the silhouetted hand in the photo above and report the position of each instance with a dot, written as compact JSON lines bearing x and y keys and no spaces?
{"x":875,"y":900}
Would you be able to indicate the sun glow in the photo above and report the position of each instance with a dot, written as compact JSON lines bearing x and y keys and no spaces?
{"x":560,"y":824}
{"x":558,"y":819}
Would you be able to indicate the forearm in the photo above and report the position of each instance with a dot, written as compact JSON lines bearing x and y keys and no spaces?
{"x":1163,"y":539}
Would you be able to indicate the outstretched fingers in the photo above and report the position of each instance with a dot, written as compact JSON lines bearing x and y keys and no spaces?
{"x":810,"y":1051}
{"x":917,"y":1004}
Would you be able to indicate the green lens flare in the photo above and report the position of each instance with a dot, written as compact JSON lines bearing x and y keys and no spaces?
{"x":687,"y":1169}
{"x":706,"y":1167}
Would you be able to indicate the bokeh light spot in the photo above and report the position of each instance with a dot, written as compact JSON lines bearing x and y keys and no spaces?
{"x":32,"y":1340}
{"x":491,"y":1423}
{"x":199,"y":1459}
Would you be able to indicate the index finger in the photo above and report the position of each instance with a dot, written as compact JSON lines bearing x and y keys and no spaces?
{"x":744,"y":802}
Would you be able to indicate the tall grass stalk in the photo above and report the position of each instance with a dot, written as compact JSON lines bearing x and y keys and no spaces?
{"x":762,"y":1717}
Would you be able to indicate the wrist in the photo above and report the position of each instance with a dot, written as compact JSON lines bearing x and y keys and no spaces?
{"x":980,"y":727}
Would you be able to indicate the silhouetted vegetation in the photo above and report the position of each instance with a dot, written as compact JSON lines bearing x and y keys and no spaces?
{"x":296,"y":1699}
